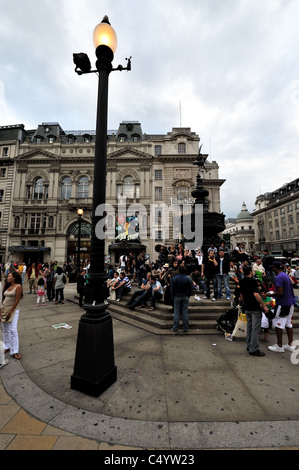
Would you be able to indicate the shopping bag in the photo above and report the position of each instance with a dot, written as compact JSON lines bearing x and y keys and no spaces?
{"x":240,"y":330}
{"x":113,"y":295}
{"x":3,"y":361}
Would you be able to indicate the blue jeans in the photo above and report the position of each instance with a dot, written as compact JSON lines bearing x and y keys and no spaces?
{"x":180,"y":306}
{"x":139,"y":297}
{"x":224,"y":278}
{"x":254,"y":319}
{"x":214,"y":282}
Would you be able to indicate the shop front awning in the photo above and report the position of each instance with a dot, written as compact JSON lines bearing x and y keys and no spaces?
{"x":29,"y":248}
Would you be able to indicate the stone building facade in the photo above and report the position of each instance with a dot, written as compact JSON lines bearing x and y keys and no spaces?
{"x":50,"y":172}
{"x":276,"y":220}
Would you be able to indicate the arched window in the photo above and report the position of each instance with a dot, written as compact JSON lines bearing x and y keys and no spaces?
{"x":40,"y":191}
{"x":183,"y":193}
{"x":66,"y":187}
{"x":128,"y":188}
{"x":83,"y":188}
{"x":85,"y":229}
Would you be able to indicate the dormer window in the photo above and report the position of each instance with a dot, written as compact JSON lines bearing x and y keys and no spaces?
{"x":122,"y":138}
{"x":135,"y":137}
{"x":87,"y":138}
{"x":38,"y":139}
{"x":51,"y":139}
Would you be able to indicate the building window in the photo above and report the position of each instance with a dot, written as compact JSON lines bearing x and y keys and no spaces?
{"x":158,"y":174}
{"x":122,"y":138}
{"x":158,"y":193}
{"x":1,"y":195}
{"x":83,"y":188}
{"x":5,"y":152}
{"x":40,"y":191}
{"x":158,"y":236}
{"x":158,"y":215}
{"x":66,"y":188}
{"x":51,"y":139}
{"x":158,"y":150}
{"x":2,"y":172}
{"x":35,"y":223}
{"x":182,"y":148}
{"x":183,"y":193}
{"x":128,"y":189}
{"x":17,"y":222}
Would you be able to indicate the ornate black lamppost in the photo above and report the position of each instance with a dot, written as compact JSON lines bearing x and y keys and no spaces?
{"x":94,"y":369}
{"x":80,"y":213}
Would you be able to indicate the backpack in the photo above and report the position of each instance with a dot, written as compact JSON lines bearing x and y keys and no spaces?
{"x":64,"y":278}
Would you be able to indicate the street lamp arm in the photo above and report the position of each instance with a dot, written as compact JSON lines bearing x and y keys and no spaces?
{"x":120,"y":68}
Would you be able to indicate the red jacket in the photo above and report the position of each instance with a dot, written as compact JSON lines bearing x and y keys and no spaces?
{"x":30,"y":271}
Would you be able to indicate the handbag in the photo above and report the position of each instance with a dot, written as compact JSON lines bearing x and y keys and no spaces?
{"x":240,"y":330}
{"x":4,"y":311}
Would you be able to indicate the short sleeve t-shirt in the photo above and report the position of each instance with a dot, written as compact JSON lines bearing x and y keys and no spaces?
{"x":288,"y":298}
{"x":248,"y":286}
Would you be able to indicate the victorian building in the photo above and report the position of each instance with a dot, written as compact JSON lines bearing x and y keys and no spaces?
{"x":276,"y":220}
{"x":47,"y":175}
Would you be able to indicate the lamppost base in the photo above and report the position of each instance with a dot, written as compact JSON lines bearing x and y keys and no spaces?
{"x":94,"y":370}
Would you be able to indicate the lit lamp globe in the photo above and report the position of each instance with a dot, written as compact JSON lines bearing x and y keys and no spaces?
{"x":104,"y":37}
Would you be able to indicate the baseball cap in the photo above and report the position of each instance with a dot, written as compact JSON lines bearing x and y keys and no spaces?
{"x":276,"y":264}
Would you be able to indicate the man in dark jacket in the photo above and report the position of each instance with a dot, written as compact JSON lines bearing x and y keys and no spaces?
{"x":222,"y":275}
{"x":209,"y":270}
{"x":181,"y":289}
{"x":268,"y":261}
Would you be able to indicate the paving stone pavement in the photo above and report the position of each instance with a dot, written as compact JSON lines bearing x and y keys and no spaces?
{"x":172,"y":392}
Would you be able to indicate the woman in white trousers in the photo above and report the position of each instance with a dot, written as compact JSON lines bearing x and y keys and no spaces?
{"x":12,"y":294}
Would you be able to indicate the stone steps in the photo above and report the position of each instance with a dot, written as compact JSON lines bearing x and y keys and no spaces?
{"x":203,"y":316}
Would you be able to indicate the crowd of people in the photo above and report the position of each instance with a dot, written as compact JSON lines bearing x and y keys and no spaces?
{"x":259,"y":282}
{"x":177,"y":274}
{"x":46,"y":281}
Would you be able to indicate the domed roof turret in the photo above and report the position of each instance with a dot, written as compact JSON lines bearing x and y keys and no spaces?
{"x":244,"y":214}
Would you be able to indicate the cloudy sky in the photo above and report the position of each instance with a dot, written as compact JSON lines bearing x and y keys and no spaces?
{"x":228,"y":69}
